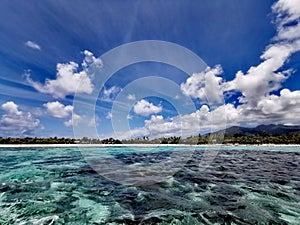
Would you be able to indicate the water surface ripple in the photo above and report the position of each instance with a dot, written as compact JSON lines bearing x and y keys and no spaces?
{"x":243,"y":185}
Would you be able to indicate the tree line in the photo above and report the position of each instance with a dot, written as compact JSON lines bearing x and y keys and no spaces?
{"x":216,"y":138}
{"x":35,"y":140}
{"x":264,"y":138}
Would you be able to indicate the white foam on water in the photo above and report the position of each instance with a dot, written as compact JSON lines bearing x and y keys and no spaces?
{"x":196,"y":197}
{"x":98,"y":212}
{"x":290,"y":219}
{"x":121,"y":213}
{"x":48,"y":220}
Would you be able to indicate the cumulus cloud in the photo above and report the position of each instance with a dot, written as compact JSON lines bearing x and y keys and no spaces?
{"x":66,"y":82}
{"x":59,"y":110}
{"x":205,"y":85}
{"x":69,"y":79}
{"x":271,"y":108}
{"x":11,"y":108}
{"x":184,"y":125}
{"x":32,"y":45}
{"x":285,"y":108}
{"x":202,"y":119}
{"x":274,"y":104}
{"x":17,"y":122}
{"x":146,"y":108}
{"x":158,"y":126}
{"x":264,"y":78}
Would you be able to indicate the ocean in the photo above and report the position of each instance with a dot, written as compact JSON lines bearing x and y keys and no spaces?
{"x":150,"y":185}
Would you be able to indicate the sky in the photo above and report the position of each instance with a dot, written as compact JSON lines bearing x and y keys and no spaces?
{"x":158,"y":68}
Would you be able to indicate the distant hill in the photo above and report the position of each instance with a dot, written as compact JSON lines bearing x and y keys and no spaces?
{"x":271,"y":129}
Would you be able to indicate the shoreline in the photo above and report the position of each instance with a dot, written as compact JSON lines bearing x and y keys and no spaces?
{"x":136,"y":145}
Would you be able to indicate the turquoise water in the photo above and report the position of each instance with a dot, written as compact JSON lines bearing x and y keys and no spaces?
{"x":163,"y":185}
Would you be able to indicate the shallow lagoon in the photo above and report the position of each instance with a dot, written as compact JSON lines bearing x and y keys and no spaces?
{"x":206,"y":185}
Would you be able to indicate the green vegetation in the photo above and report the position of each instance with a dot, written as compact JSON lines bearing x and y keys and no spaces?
{"x":216,"y":138}
{"x":30,"y":140}
{"x":263,"y":138}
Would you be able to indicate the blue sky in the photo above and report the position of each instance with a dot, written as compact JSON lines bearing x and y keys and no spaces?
{"x":48,"y":48}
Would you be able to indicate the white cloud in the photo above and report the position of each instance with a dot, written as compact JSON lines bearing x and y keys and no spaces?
{"x":32,"y":45}
{"x":131,"y":97}
{"x":73,"y":121}
{"x":129,"y":117}
{"x":286,"y":10}
{"x":191,"y":124}
{"x":276,"y":104}
{"x":90,"y":59}
{"x":285,"y":108}
{"x":157,"y":126}
{"x":146,"y":108}
{"x":260,"y":80}
{"x":94,"y":121}
{"x":137,"y":132}
{"x":109,"y":116}
{"x":11,"y":108}
{"x":266,"y":77}
{"x":68,"y":79}
{"x":185,"y":125}
{"x":66,"y":82}
{"x":109,"y":94}
{"x":16,"y":122}
{"x":288,"y":33}
{"x":205,"y":85}
{"x":282,"y":109}
{"x":58,"y":110}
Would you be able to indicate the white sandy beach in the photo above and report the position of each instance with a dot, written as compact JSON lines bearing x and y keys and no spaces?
{"x":89,"y":145}
{"x":130,"y":145}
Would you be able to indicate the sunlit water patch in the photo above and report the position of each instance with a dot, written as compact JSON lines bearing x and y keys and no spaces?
{"x":242,"y":185}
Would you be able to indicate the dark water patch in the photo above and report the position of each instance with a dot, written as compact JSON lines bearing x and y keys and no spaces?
{"x":145,"y":158}
{"x":86,"y":170}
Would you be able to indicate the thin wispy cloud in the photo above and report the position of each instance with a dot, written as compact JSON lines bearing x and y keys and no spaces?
{"x":33,"y":45}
